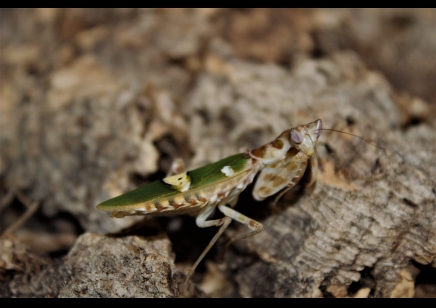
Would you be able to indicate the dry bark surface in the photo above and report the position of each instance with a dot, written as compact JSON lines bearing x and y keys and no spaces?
{"x":95,"y":103}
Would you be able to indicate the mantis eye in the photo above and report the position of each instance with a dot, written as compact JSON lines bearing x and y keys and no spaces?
{"x":296,"y":136}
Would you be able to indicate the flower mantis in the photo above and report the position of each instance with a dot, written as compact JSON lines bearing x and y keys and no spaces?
{"x":280,"y":163}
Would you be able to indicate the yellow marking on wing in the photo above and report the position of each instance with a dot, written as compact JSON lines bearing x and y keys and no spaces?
{"x":180,"y":182}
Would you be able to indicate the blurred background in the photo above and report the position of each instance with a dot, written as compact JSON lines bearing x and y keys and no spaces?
{"x":95,"y":102}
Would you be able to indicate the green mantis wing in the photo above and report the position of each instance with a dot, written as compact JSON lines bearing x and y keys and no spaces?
{"x":178,"y":193}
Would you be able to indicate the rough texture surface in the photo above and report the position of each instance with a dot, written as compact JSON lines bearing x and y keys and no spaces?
{"x":92,"y":268}
{"x":124,"y":92}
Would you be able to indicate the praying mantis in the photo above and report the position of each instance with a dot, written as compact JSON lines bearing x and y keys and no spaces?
{"x":281,"y":163}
